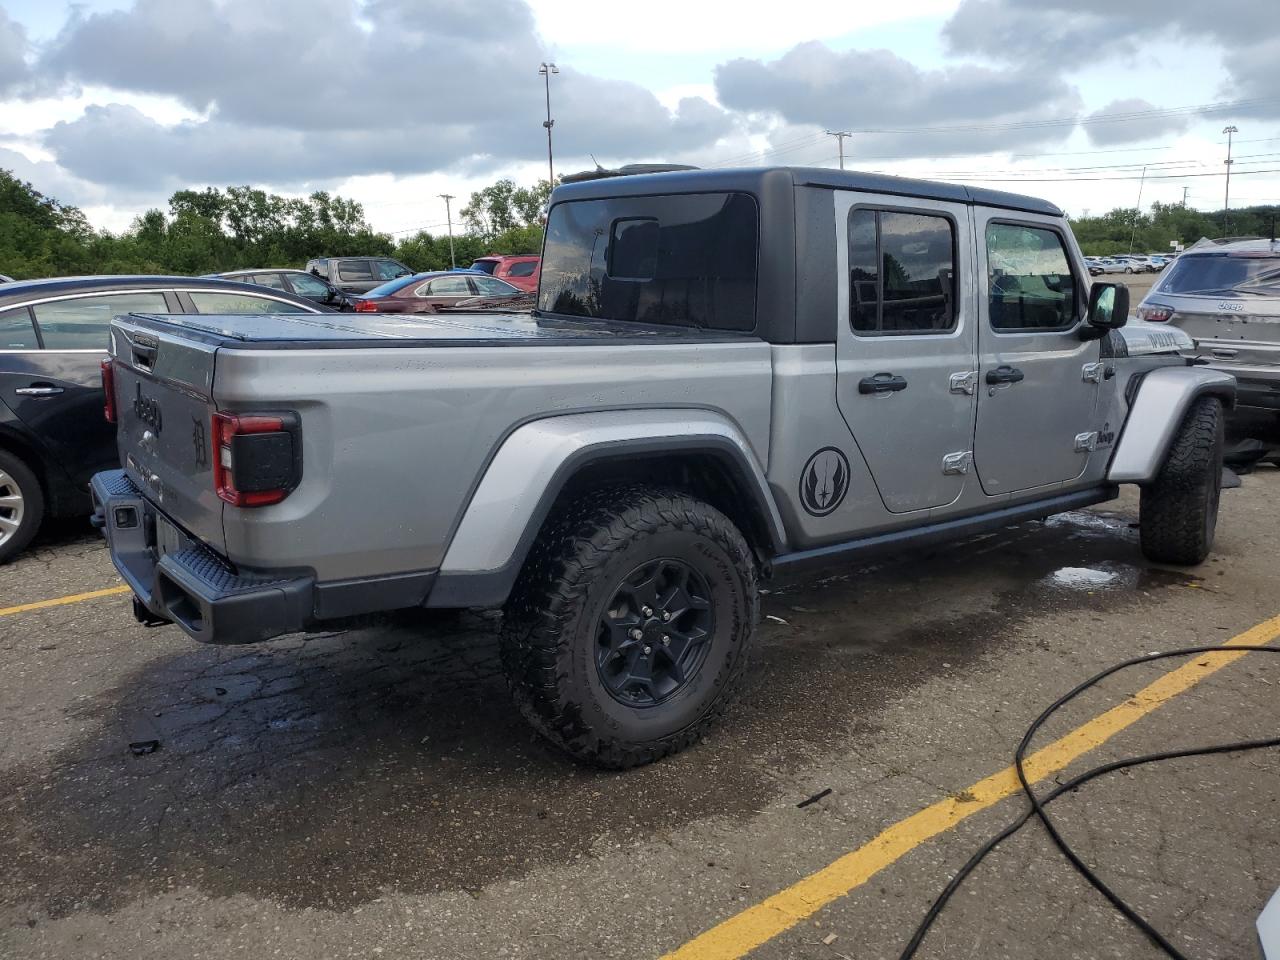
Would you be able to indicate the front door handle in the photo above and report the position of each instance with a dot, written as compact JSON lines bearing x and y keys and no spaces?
{"x":41,"y":390}
{"x":882,"y":383}
{"x":1005,"y":375}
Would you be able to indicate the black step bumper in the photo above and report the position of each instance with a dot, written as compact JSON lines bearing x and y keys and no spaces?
{"x":175,"y":578}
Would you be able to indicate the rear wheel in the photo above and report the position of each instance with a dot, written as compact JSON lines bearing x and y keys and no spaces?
{"x":21,"y":505}
{"x":630,"y":625}
{"x":1179,"y":511}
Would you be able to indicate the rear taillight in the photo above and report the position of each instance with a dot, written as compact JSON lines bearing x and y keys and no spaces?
{"x":109,"y":391}
{"x":1155,"y":313}
{"x":257,"y":458}
{"x":366,"y":306}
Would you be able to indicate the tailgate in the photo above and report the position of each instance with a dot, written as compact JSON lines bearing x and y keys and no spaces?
{"x":164,"y":403}
{"x":1237,"y":331}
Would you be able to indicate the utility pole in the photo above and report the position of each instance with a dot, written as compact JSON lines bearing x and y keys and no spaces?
{"x":448,"y":215}
{"x":1184,"y":197}
{"x":1138,"y":213}
{"x":840,"y":135}
{"x":1226,"y":202}
{"x":545,"y":71}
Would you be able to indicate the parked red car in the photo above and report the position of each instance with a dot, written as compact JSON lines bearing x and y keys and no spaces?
{"x":519,"y":270}
{"x":441,"y":291}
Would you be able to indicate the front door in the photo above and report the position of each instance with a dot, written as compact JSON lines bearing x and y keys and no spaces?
{"x":1039,"y":382}
{"x":905,"y":348}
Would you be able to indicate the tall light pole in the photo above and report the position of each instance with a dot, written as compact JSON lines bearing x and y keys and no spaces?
{"x":1141,"y":183}
{"x":448,"y":215}
{"x":1226,"y":201}
{"x":840,"y":135}
{"x":545,"y":71}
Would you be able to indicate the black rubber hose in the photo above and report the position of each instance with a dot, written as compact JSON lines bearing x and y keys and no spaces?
{"x":1038,"y":804}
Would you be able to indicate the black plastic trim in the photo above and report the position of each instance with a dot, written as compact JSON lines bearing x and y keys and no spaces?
{"x":942,"y":531}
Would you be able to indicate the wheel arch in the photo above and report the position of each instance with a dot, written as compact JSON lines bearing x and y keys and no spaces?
{"x":1156,"y":411}
{"x":548,"y":461}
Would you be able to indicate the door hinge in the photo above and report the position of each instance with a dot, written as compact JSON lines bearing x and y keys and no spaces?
{"x":957,"y":462}
{"x":1086,"y":442}
{"x":965,"y":382}
{"x":1092,"y":372}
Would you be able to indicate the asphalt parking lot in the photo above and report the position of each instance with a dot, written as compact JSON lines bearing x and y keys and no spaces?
{"x":370,"y":792}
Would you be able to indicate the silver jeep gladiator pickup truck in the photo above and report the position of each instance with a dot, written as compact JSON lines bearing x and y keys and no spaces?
{"x":728,"y":374}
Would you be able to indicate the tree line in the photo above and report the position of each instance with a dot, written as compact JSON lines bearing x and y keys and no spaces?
{"x":213,"y":230}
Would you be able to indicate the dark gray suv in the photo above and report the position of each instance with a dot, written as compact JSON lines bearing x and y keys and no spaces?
{"x":357,"y":274}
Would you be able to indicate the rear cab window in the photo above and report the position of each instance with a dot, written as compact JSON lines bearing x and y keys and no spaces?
{"x":686,"y":260}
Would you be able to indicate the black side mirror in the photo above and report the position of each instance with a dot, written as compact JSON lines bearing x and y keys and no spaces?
{"x":1108,"y":309}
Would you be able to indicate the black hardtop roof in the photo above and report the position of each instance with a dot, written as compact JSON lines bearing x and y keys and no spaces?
{"x":22,"y":290}
{"x":754,"y":179}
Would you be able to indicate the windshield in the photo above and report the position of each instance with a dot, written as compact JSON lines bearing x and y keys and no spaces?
{"x":1223,"y":275}
{"x":391,"y":286}
{"x":485,"y":266}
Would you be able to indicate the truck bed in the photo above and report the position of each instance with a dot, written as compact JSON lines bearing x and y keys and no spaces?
{"x":303,"y":331}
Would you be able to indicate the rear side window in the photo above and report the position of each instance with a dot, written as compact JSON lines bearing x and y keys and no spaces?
{"x":1029,"y":280}
{"x":81,"y":324}
{"x":354,"y":270}
{"x":17,"y":332}
{"x":208,"y":301}
{"x":687,"y":260}
{"x":488,"y":266}
{"x":524,"y":268}
{"x":902,"y":277}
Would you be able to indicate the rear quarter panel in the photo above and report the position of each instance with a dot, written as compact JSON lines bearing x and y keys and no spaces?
{"x":396,"y":439}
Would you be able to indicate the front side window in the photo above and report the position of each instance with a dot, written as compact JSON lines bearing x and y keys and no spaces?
{"x":355,"y":270}
{"x":901,"y":273}
{"x":493,"y":287}
{"x":1029,"y":281}
{"x":81,"y":324}
{"x":389,"y":269}
{"x":687,"y":260}
{"x":208,"y":301}
{"x":16,"y":330}
{"x":271,"y":280}
{"x":308,"y":286}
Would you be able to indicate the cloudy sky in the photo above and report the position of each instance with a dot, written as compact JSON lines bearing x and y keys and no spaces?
{"x":113,"y":104}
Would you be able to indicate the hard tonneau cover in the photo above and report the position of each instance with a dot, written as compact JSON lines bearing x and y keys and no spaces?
{"x":310,"y":331}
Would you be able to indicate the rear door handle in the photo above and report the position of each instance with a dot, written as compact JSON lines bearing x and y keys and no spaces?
{"x":882,"y":383}
{"x":1005,"y":375}
{"x":41,"y":390}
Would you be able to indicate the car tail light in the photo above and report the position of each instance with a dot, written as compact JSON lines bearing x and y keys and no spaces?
{"x":257,"y":458}
{"x":366,"y":306}
{"x":1155,"y":313}
{"x":109,"y":390}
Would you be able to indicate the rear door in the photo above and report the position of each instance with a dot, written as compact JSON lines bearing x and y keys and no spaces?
{"x":905,"y":347}
{"x":57,"y":391}
{"x":1039,"y":382}
{"x":354,"y":276}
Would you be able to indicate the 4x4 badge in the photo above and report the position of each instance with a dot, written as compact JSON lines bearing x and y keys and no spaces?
{"x":824,"y":481}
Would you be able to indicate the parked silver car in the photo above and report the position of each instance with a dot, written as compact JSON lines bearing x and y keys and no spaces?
{"x":1226,"y":296}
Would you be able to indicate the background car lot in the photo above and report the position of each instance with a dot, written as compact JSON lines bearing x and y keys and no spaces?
{"x":370,"y":791}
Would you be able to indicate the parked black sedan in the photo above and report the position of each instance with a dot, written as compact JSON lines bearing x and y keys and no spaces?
{"x":53,"y":338}
{"x":298,"y":282}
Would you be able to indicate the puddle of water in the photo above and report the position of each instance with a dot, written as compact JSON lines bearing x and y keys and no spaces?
{"x":1083,"y":577}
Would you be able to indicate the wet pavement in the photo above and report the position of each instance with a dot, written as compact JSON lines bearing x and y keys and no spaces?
{"x":371,"y":791}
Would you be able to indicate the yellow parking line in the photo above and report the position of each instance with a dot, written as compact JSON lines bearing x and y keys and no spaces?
{"x":758,"y":924}
{"x":61,"y":601}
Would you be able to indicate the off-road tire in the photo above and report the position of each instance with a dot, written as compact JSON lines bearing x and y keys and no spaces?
{"x":32,"y":505}
{"x":1179,"y":511}
{"x":549,"y":632}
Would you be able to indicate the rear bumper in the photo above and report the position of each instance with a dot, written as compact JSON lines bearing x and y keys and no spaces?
{"x":188,"y":584}
{"x":1257,"y":385}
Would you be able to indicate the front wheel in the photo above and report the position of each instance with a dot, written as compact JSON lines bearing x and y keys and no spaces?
{"x":1178,"y":513}
{"x":630,"y":625}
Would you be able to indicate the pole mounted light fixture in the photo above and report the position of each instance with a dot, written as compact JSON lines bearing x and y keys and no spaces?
{"x":545,"y":70}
